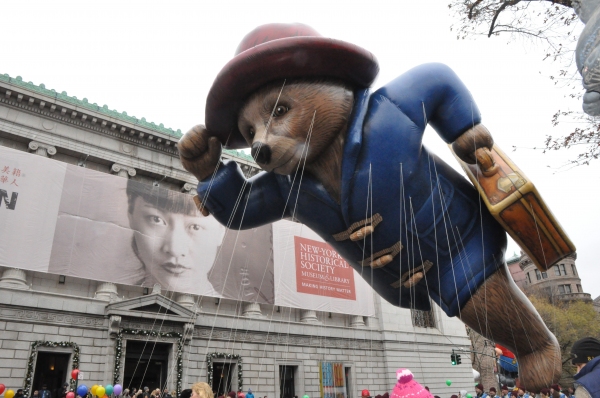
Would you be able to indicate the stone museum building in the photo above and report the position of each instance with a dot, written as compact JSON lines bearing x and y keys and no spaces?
{"x":149,"y":336}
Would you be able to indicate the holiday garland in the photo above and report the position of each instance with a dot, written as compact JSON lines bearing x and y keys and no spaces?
{"x":209,"y":363}
{"x":32,"y":356}
{"x":149,"y":333}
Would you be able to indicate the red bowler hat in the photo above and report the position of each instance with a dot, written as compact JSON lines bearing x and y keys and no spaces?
{"x":276,"y":52}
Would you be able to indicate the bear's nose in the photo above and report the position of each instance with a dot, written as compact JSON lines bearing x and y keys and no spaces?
{"x":261,"y":152}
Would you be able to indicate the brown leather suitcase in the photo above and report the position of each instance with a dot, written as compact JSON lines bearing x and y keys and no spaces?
{"x":517,"y":205}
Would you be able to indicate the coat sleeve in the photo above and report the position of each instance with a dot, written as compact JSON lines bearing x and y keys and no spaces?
{"x":240,"y":203}
{"x":433,"y":93}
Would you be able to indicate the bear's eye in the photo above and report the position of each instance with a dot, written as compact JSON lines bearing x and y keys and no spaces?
{"x":280,"y":110}
{"x":251,"y":132}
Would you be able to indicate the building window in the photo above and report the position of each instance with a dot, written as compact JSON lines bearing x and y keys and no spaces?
{"x":573,"y":269}
{"x":556,"y":270}
{"x":544,"y":275}
{"x":422,"y":319}
{"x":562,"y":270}
{"x":538,"y":274}
{"x":564,"y":289}
{"x":579,"y":288}
{"x":528,"y":278}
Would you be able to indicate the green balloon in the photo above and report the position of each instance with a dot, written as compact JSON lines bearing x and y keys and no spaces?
{"x":109,"y":390}
{"x":469,"y":396}
{"x":306,"y":396}
{"x":448,"y":382}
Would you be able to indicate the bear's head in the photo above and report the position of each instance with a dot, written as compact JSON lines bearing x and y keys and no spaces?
{"x":290,"y":125}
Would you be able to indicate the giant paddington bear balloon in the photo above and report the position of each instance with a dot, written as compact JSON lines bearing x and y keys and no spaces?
{"x":353,"y":164}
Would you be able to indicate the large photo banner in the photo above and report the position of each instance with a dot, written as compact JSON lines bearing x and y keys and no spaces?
{"x":68,"y":220}
{"x":124,"y":231}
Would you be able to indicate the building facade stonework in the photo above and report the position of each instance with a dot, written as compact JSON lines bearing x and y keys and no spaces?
{"x":561,"y":280}
{"x":97,"y":326}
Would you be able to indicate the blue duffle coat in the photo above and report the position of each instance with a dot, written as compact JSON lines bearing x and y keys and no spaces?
{"x":425,"y":214}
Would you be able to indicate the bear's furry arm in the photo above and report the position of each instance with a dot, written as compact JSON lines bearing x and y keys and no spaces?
{"x":433,"y":93}
{"x":252,"y":202}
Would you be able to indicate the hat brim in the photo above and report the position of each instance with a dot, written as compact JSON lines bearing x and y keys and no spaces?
{"x":288,"y":58}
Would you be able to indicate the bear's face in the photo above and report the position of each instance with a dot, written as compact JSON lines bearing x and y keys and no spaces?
{"x":276,"y":122}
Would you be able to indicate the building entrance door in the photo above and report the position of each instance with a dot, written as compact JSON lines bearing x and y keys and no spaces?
{"x":51,"y":370}
{"x":286,"y":381}
{"x":222,"y":374}
{"x":147,"y":365}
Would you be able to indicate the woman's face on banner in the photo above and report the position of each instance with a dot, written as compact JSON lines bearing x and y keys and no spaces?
{"x":178,"y":250}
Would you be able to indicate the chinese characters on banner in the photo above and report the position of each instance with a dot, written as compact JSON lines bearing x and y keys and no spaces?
{"x":9,"y":175}
{"x":321,"y":271}
{"x":332,"y":380}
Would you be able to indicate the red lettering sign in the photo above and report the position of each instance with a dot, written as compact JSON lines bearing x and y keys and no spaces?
{"x":321,"y":271}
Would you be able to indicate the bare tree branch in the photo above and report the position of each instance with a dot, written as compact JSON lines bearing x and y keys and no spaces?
{"x":472,"y":7}
{"x":498,"y":11}
{"x":554,"y":27}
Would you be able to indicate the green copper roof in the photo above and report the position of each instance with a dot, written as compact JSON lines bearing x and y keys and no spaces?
{"x":239,"y":154}
{"x":83,"y":103}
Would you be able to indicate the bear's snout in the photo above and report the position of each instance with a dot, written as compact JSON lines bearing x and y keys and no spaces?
{"x":261,"y":152}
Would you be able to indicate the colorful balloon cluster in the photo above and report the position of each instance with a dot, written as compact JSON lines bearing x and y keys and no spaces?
{"x":8,"y":394}
{"x":82,"y":390}
{"x":100,"y":391}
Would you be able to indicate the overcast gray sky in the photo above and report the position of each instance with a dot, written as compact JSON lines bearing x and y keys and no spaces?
{"x":158,"y":60}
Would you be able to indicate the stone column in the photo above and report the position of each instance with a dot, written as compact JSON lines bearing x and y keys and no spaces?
{"x":309,"y":316}
{"x":42,"y":149}
{"x":107,"y":291}
{"x":357,"y":321}
{"x":14,"y":278}
{"x":122,"y":171}
{"x":252,"y":310}
{"x":188,"y":301}
{"x":189,"y":188}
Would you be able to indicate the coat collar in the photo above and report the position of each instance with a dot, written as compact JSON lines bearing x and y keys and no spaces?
{"x":589,"y":368}
{"x":350,"y":155}
{"x":352,"y":148}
